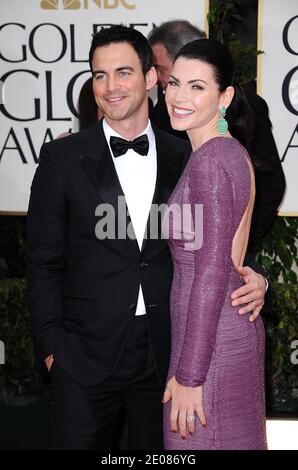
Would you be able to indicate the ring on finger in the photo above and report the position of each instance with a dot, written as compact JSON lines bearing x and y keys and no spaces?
{"x":190,"y":418}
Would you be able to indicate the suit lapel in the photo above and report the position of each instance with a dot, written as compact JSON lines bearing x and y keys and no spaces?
{"x":98,"y":164}
{"x":169,"y":168}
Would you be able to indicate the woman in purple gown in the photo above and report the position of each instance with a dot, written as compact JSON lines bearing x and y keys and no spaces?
{"x":214,"y":398}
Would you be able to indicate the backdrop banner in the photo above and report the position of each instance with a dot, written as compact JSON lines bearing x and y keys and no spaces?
{"x":278,"y":84}
{"x":44,"y":47}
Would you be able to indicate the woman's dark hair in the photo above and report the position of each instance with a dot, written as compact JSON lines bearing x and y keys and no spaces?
{"x":239,"y":114}
{"x":87,"y":107}
{"x":119,"y":33}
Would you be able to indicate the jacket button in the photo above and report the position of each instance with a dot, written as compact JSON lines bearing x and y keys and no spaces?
{"x":143,"y":264}
{"x":132,"y":307}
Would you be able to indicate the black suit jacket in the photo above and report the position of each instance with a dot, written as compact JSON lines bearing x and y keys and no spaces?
{"x":83,"y":291}
{"x":270,"y":179}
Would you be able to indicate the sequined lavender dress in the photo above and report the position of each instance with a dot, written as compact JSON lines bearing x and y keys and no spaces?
{"x":211,"y":343}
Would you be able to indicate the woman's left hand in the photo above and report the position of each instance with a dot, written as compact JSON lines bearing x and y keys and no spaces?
{"x":186,"y":401}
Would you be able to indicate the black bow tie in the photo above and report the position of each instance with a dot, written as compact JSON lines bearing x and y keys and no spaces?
{"x":120,"y":146}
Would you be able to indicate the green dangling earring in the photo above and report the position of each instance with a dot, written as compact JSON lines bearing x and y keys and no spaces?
{"x":222,"y":125}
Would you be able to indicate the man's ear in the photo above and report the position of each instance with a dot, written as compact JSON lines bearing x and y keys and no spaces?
{"x":151,"y":78}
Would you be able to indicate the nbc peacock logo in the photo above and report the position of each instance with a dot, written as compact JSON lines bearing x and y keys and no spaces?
{"x":56,"y":4}
{"x":84,"y":4}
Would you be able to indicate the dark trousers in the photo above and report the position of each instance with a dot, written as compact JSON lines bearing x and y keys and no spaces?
{"x":86,"y":416}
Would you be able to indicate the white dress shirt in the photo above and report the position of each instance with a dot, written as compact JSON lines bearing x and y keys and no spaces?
{"x":137,"y":176}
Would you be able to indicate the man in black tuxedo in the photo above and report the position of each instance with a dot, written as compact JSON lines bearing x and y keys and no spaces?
{"x":98,"y":289}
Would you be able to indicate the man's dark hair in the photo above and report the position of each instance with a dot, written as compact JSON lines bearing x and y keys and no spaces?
{"x":174,"y":34}
{"x":87,"y":106}
{"x":119,"y":33}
